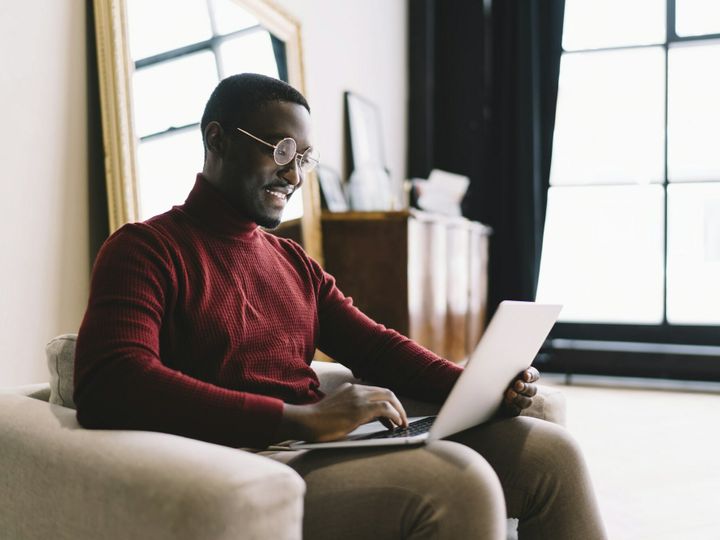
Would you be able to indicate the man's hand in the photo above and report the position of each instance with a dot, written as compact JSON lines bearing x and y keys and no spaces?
{"x":336,"y":415}
{"x":519,"y":394}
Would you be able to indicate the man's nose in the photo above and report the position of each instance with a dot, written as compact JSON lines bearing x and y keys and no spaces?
{"x":293,"y":175}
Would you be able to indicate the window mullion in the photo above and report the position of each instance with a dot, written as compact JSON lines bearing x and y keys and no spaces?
{"x":670,"y":33}
{"x":213,"y":40}
{"x":665,"y":179}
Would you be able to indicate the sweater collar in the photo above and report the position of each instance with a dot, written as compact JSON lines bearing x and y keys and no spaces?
{"x":208,"y":206}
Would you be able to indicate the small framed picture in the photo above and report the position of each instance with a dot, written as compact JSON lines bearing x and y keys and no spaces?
{"x":364,"y":133}
{"x":332,"y":191}
{"x":369,"y":184}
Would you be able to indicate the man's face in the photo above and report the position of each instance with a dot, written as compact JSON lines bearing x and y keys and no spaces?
{"x":248,"y":175}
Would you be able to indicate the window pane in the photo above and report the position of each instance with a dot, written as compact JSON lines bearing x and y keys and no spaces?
{"x":609,"y":124}
{"x":251,"y":53}
{"x":163,"y":25}
{"x":694,"y":113}
{"x":167,"y":167}
{"x":173,"y":93}
{"x":592,"y":24}
{"x":694,"y":254}
{"x":603,"y":254}
{"x":697,"y":17}
{"x":229,"y":17}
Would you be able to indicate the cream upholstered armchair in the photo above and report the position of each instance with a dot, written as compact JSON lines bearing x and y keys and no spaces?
{"x":61,"y":481}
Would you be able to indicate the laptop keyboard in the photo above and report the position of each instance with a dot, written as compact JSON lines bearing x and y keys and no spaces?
{"x":418,"y":427}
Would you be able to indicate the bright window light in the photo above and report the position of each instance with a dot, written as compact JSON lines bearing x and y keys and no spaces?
{"x":603,"y":254}
{"x":158,"y":26}
{"x":165,"y":96}
{"x":694,"y":112}
{"x":594,"y":24}
{"x":251,"y":53}
{"x":697,"y":17}
{"x":167,"y":166}
{"x":610,"y":122}
{"x":694,"y":254}
{"x":229,"y":16}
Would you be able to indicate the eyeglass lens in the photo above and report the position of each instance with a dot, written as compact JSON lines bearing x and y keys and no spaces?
{"x":286,"y":150}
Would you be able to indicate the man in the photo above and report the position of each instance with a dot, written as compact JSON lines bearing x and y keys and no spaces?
{"x":201,"y":324}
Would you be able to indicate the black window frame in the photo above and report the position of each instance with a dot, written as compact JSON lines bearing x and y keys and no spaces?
{"x":647,"y":350}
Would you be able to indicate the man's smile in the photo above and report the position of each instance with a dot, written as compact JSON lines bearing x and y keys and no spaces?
{"x":280,"y":192}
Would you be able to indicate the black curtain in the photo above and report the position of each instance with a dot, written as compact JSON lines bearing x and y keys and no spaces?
{"x":98,"y":219}
{"x":483,"y":88}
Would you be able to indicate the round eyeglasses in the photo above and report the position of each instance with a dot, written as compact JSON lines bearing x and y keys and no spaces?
{"x":285,"y":150}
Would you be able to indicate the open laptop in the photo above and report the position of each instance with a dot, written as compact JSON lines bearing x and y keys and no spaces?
{"x":508,"y":346}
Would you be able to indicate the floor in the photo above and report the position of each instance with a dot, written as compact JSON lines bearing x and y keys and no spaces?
{"x":654,"y":456}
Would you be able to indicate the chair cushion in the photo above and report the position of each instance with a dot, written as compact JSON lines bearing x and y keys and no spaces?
{"x":60,"y":353}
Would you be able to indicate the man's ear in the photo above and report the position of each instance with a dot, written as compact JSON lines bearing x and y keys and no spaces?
{"x":215,"y":138}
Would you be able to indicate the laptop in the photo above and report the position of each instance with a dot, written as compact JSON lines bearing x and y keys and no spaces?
{"x":508,"y":346}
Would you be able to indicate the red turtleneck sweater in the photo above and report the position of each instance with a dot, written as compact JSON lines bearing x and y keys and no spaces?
{"x":201,"y":324}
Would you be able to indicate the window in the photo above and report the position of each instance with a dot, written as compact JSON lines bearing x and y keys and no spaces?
{"x":632,"y":234}
{"x":176,"y":69}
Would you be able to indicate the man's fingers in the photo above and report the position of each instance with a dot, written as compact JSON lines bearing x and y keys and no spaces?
{"x":531,"y":374}
{"x":384,"y":409}
{"x":385,"y":395}
{"x":526,"y":389}
{"x":518,"y":400}
{"x":377,"y":402}
{"x":400,"y":409}
{"x":522,"y":402}
{"x":509,"y":402}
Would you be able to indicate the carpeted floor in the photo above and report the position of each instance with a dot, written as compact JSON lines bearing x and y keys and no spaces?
{"x":654,"y":456}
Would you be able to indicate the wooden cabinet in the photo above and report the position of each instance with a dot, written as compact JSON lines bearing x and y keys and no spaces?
{"x":422,"y":274}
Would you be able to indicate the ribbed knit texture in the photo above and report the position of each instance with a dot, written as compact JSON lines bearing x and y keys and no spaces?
{"x":201,"y":324}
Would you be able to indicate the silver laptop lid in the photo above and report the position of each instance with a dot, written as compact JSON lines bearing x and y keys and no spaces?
{"x":508,"y":346}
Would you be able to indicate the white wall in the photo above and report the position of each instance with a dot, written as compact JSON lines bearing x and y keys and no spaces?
{"x":357,"y":45}
{"x":43,"y":159}
{"x":360,"y":46}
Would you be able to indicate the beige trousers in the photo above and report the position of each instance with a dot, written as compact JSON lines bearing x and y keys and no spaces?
{"x":456,"y":489}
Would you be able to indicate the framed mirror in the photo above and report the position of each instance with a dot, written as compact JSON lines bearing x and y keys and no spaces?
{"x":158,"y":62}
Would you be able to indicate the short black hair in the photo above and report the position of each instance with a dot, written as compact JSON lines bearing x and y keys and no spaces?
{"x":239,"y":95}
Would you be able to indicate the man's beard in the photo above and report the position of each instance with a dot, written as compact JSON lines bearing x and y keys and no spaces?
{"x":268,"y":222}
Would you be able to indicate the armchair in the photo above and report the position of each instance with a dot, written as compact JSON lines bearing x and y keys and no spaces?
{"x":62,"y":481}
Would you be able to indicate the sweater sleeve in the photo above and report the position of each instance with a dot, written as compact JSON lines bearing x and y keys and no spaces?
{"x":376,"y":353}
{"x":120,"y":381}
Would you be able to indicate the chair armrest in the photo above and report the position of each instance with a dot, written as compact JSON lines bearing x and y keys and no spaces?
{"x":39,"y":391}
{"x":548,"y":404}
{"x":62,"y":481}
